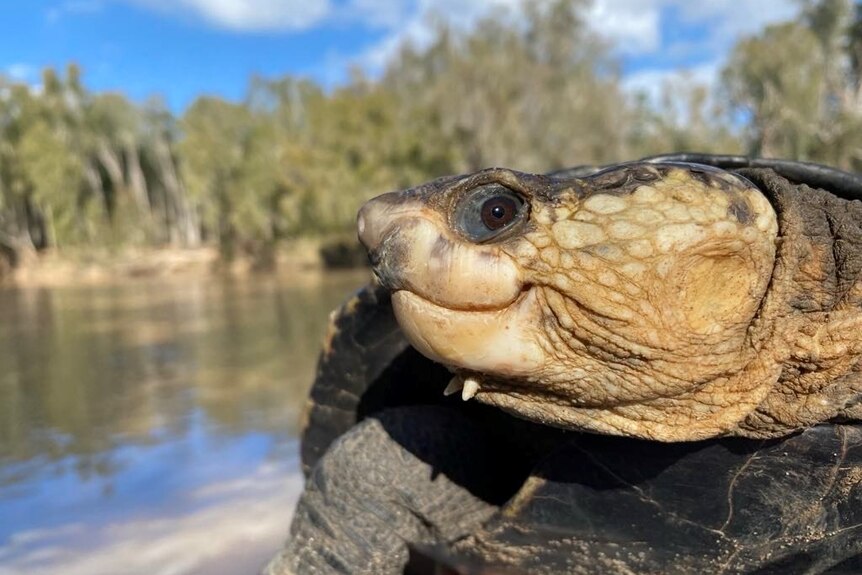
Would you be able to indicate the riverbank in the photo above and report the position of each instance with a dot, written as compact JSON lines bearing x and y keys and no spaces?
{"x":93,"y":267}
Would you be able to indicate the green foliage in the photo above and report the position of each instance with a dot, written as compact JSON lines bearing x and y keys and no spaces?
{"x":798,"y":82}
{"x":777,"y":78}
{"x":688,"y":118}
{"x":54,"y":173}
{"x":535,"y":93}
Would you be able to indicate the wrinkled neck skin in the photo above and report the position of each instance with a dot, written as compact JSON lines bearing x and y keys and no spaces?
{"x":810,"y":323}
{"x":670,"y":389}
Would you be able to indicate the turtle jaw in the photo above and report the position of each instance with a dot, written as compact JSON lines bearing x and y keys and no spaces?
{"x":504,"y":341}
{"x":460,"y":303}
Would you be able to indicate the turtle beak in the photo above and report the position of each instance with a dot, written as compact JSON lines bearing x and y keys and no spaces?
{"x":411,"y":247}
{"x":364,"y":228}
{"x":368,"y":225}
{"x":379,"y":217}
{"x":383,"y":225}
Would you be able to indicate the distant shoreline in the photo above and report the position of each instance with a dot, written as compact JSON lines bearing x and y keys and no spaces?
{"x":80,"y":267}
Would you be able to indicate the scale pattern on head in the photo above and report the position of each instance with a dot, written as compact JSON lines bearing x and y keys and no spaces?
{"x":620,"y":302}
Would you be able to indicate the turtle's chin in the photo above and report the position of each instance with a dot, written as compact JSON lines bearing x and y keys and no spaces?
{"x":502,"y":342}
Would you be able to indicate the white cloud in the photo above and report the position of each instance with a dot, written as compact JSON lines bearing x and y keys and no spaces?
{"x":635,"y":26}
{"x":725,"y":22}
{"x":53,"y":14}
{"x":21,"y":72}
{"x":248,"y":15}
{"x":416,"y":31}
{"x":652,"y":82}
{"x":418,"y":28}
{"x":237,"y":15}
{"x":734,"y":18}
{"x":632,"y":26}
{"x":377,"y":13}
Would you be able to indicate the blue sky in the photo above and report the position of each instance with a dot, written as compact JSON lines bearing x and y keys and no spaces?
{"x":182,"y":48}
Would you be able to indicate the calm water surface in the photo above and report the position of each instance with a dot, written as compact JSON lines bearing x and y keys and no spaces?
{"x":151,"y":427}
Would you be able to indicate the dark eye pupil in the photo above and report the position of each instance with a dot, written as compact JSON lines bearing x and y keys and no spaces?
{"x":489,"y":212}
{"x":498,"y":211}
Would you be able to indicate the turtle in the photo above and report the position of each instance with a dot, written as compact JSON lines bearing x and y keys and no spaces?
{"x":649,"y":367}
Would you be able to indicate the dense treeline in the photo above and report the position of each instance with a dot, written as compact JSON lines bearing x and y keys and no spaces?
{"x":543,"y":92}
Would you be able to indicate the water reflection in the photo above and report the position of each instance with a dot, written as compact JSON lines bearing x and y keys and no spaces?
{"x":149,"y":414}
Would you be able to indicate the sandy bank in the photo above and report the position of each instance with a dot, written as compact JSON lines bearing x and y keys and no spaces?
{"x":104,"y":266}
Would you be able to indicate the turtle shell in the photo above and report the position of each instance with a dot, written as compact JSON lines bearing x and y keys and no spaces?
{"x":614,"y":505}
{"x":593,"y":504}
{"x":364,"y":358}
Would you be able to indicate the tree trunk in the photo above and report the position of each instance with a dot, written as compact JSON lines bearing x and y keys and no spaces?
{"x":183,"y":224}
{"x":137,"y":181}
{"x":113,"y":167}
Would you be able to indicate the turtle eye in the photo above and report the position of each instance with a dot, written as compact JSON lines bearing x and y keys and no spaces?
{"x":488,"y":212}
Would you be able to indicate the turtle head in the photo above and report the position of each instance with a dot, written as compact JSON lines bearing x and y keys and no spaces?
{"x":618,"y":302}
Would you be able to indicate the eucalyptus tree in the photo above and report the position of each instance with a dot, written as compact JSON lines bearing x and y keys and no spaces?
{"x":837,"y":24}
{"x":40,"y":169}
{"x":536,"y":92}
{"x":798,"y":85}
{"x":178,"y":217}
{"x":684,"y":116}
{"x":229,"y":165}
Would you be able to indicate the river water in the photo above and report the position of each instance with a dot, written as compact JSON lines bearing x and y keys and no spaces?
{"x":150,"y":427}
